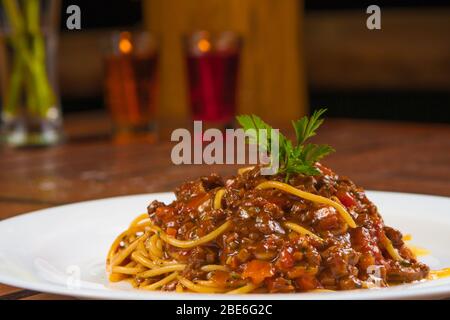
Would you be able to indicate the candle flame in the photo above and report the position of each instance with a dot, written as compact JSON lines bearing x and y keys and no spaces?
{"x":125,"y":45}
{"x":204,"y":45}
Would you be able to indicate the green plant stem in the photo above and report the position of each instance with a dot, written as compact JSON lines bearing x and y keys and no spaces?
{"x":12,"y":97}
{"x":32,"y":16}
{"x":29,"y":60}
{"x":14,"y":15}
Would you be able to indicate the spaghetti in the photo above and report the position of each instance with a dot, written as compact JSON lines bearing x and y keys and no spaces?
{"x":254,"y":235}
{"x":309,"y":196}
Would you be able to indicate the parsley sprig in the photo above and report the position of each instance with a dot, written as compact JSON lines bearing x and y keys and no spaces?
{"x":298,"y":157}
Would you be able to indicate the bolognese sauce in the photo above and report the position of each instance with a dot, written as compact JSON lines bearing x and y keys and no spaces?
{"x":255,"y":233}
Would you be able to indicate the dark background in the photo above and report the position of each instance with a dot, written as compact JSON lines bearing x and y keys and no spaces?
{"x":409,"y":104}
{"x":123,"y":13}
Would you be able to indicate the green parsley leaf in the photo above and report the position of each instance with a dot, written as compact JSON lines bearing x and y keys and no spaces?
{"x":254,"y":122}
{"x":299,"y":158}
{"x":306,"y":128}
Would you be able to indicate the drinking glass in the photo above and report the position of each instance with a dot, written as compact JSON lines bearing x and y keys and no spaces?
{"x":130,"y":66}
{"x":212,"y":67}
{"x":31,"y":113}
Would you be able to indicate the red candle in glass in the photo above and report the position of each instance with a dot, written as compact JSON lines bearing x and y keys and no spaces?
{"x":212,"y":65}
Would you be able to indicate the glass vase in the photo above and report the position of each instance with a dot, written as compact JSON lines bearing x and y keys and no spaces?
{"x":31,"y":114}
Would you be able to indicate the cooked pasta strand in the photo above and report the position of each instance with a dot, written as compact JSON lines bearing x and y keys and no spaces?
{"x":162,"y":270}
{"x":299,"y":229}
{"x":139,"y":219}
{"x":437,"y":274}
{"x":136,"y":256}
{"x":309,"y":196}
{"x":214,"y":267}
{"x":116,"y":277}
{"x":126,"y":270}
{"x":391,"y":250}
{"x":244,"y":289}
{"x":206,"y":283}
{"x":322,"y":290}
{"x":198,"y":288}
{"x":153,"y":247}
{"x":244,"y":170}
{"x":192,"y":243}
{"x":179,"y":288}
{"x":122,"y":255}
{"x":218,"y":198}
{"x":114,"y":247}
{"x":161,"y":282}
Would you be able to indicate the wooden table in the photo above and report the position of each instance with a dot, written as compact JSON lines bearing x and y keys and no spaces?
{"x":377,"y":155}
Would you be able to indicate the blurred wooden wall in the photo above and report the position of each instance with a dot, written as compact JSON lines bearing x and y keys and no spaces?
{"x":272,"y":82}
{"x":411,"y":52}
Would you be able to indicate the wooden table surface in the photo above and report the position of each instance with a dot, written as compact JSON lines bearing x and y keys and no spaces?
{"x":377,"y":155}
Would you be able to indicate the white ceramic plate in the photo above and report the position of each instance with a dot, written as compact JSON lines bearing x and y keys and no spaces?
{"x":62,"y":250}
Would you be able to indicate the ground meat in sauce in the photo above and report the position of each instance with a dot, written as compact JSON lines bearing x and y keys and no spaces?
{"x":284,"y":261}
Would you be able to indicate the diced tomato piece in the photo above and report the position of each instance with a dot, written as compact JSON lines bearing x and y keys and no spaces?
{"x":346,"y":199}
{"x":220,"y":278}
{"x":286,"y":259}
{"x":165,"y":213}
{"x":171,"y":232}
{"x":279,"y":285}
{"x":301,"y":271}
{"x":307,"y":283}
{"x":258,"y":270}
{"x":234,"y":262}
{"x":198,"y":200}
{"x":363,"y":242}
{"x":326,"y":171}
